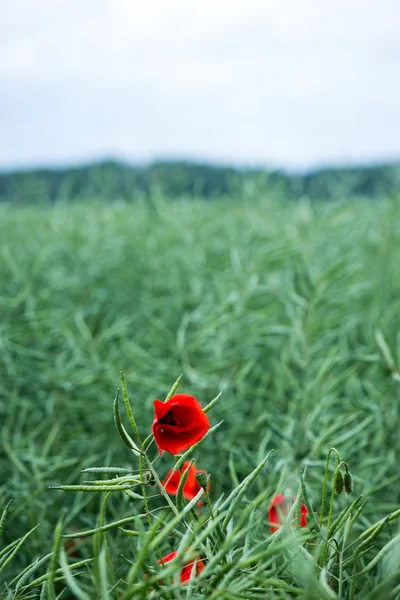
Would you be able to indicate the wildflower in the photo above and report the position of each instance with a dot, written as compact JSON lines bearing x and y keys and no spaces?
{"x":279,"y":509}
{"x":191,"y":487}
{"x":187,"y":567}
{"x":179,"y":423}
{"x":72,"y":547}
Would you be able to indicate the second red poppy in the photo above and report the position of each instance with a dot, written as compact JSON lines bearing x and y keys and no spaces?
{"x":279,"y":509}
{"x":190,"y":489}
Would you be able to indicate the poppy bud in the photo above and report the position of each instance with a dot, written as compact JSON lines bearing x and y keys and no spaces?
{"x":334,"y":577}
{"x":338,"y":482}
{"x":202,"y":479}
{"x":348,"y":482}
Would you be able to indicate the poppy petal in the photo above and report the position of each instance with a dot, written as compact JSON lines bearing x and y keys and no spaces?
{"x":179,"y":423}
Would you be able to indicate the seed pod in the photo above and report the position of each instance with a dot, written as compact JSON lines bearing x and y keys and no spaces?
{"x":348,"y":482}
{"x":202,"y":479}
{"x":338,"y":482}
{"x":333,"y":578}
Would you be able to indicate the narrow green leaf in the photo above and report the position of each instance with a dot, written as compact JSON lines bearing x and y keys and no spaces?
{"x":102,"y":570}
{"x":169,"y":527}
{"x":179,"y":495}
{"x":368,"y":541}
{"x":43,"y":592}
{"x":58,"y":573}
{"x":386,"y":519}
{"x":389,"y":546}
{"x":248,"y":540}
{"x":53,"y":562}
{"x":128,"y":407}
{"x":128,"y":441}
{"x":358,"y":512}
{"x":213,"y":402}
{"x":130,"y":532}
{"x":235,"y":497}
{"x":3,"y":518}
{"x":338,"y":522}
{"x":174,"y":388}
{"x":8,"y":548}
{"x":95,"y":488}
{"x":352,"y":559}
{"x":135,"y":480}
{"x":89,"y":532}
{"x":7,"y":559}
{"x":69,"y":578}
{"x":25,"y":574}
{"x":160,"y":487}
{"x":387,"y":355}
{"x":311,"y":514}
{"x":107,"y":470}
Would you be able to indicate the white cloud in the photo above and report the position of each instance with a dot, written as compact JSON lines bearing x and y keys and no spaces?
{"x":246,"y":80}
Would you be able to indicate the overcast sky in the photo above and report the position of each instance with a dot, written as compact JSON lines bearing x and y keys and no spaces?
{"x":283,"y":83}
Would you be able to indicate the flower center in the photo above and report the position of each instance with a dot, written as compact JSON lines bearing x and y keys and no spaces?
{"x":168,"y":419}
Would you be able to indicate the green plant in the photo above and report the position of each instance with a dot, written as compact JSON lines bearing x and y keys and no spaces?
{"x":293,"y":309}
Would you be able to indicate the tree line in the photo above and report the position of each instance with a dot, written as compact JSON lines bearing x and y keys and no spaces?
{"x":113,"y":180}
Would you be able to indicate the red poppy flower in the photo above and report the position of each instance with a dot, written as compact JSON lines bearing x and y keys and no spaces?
{"x":191,"y":487}
{"x":179,"y":423}
{"x":72,"y":547}
{"x":279,"y":509}
{"x":187,"y":567}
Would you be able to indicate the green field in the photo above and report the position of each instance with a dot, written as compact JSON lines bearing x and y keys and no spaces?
{"x":292,"y":309}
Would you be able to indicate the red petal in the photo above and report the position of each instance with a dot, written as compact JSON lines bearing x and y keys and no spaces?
{"x":303,"y":515}
{"x":167,"y":558}
{"x":161,"y":408}
{"x":171,"y":482}
{"x":278,"y":500}
{"x":277,"y":509}
{"x":191,"y":487}
{"x":191,"y":423}
{"x":175,"y":440}
{"x":187,"y":569}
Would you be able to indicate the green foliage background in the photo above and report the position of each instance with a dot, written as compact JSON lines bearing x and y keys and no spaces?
{"x":112,"y":180}
{"x":293,"y":309}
